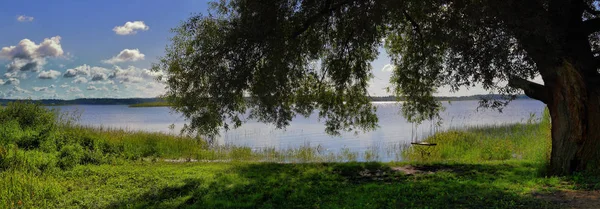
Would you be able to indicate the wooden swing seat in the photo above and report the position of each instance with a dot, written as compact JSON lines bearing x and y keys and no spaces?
{"x":423,"y":143}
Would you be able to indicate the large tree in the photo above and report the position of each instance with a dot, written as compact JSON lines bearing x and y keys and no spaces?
{"x":294,"y":56}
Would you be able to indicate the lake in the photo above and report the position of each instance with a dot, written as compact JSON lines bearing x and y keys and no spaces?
{"x":393,"y":130}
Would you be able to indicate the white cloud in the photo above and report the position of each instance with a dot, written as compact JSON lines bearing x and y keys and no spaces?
{"x":51,"y":74}
{"x":94,"y":88}
{"x":130,"y":28}
{"x":12,"y":81}
{"x":149,"y":74}
{"x":47,"y":90}
{"x":73,"y":89}
{"x":105,"y":82}
{"x":99,"y":77}
{"x":27,"y":55}
{"x":87,"y":71}
{"x":35,"y":88}
{"x":127,"y":55}
{"x":128,"y":75}
{"x":70,"y":73}
{"x":20,"y":90}
{"x":23,"y":18}
{"x":388,"y":68}
{"x":80,"y":80}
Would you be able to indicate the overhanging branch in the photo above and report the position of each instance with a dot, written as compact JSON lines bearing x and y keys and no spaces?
{"x":416,"y":27}
{"x":531,"y":89}
{"x":313,"y":19}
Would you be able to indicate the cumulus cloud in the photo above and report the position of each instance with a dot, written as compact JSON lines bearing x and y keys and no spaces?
{"x":99,"y":77}
{"x":87,"y":71}
{"x":127,"y":75}
{"x":20,"y":90}
{"x":73,"y":89}
{"x":127,"y":55}
{"x":35,"y":88}
{"x":51,"y":74}
{"x":23,"y":18}
{"x":94,"y":88}
{"x":149,"y":74}
{"x":130,"y":28}
{"x":27,"y":55}
{"x":12,"y":81}
{"x":105,"y":82}
{"x":80,"y":80}
{"x":388,"y":68}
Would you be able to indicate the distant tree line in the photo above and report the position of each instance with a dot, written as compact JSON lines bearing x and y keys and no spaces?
{"x":133,"y":101}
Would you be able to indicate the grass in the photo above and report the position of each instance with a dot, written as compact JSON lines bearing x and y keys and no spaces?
{"x":530,"y":141}
{"x":152,"y":104}
{"x":269,"y":185}
{"x":47,"y":161}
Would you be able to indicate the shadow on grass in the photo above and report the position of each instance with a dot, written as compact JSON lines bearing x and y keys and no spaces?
{"x":350,"y":185}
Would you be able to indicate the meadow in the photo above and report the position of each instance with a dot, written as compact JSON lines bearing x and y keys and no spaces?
{"x":48,"y":161}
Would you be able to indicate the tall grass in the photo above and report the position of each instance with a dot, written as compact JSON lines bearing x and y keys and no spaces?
{"x":528,"y":141}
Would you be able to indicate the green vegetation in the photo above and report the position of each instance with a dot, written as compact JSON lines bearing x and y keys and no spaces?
{"x":152,"y":104}
{"x":46,"y":161}
{"x":528,"y":142}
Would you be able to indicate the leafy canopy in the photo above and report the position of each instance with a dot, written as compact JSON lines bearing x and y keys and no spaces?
{"x":282,"y":58}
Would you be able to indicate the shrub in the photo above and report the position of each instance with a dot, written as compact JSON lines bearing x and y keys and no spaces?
{"x":27,"y":124}
{"x":70,"y":156}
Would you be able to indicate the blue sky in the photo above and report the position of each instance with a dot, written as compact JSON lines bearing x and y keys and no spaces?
{"x":96,"y":49}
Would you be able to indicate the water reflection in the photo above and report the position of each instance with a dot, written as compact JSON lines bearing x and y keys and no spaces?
{"x":393,"y":131}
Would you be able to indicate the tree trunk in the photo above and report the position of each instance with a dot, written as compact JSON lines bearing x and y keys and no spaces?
{"x":575,"y":111}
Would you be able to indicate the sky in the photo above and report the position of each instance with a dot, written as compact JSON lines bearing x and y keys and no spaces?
{"x":103,"y":49}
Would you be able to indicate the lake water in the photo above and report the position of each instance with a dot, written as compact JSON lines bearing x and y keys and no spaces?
{"x":393,"y":130}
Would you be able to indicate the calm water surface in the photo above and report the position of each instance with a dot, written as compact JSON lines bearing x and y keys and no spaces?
{"x":309,"y":131}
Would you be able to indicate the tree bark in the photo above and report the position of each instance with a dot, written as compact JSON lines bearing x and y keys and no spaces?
{"x":575,"y":114}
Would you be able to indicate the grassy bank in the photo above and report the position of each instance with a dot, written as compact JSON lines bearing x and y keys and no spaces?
{"x":528,"y":141}
{"x":47,"y":161}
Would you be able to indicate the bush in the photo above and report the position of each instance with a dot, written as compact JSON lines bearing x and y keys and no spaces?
{"x":35,"y":138}
{"x":12,"y":158}
{"x":70,"y":156}
{"x":27,"y":124}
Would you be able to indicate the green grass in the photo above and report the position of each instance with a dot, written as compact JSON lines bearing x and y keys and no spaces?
{"x":47,"y":161}
{"x":530,"y":141}
{"x":152,"y":104}
{"x":268,"y":185}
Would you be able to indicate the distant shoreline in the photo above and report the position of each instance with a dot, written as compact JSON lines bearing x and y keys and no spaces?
{"x":159,"y":102}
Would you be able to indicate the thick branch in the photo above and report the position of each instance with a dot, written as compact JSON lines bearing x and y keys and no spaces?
{"x":531,"y":89}
{"x":415,"y":25}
